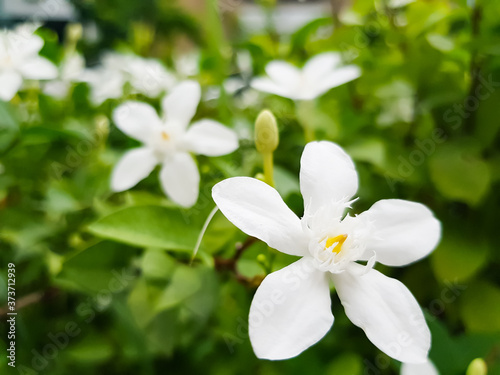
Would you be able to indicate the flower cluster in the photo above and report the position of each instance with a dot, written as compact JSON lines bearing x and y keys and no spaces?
{"x":291,"y":309}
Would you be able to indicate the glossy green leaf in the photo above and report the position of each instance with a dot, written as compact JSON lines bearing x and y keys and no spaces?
{"x":150,"y":226}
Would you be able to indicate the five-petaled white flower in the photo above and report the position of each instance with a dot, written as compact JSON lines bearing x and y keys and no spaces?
{"x":291,"y":309}
{"x":320,"y":74}
{"x":169,"y":141}
{"x":19,"y":59}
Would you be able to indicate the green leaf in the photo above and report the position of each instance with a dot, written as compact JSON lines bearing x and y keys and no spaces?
{"x":9,"y":128}
{"x":346,"y":363}
{"x":185,"y":282}
{"x":92,"y":349}
{"x":157,"y":264}
{"x":458,"y":258}
{"x":101,"y":267}
{"x":286,"y":182}
{"x":480,"y":308}
{"x":150,"y":226}
{"x":459,"y":173}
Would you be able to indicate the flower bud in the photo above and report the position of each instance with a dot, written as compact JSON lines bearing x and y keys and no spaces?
{"x":477,"y":367}
{"x":74,"y":32}
{"x":101,"y":123}
{"x":266,"y":132}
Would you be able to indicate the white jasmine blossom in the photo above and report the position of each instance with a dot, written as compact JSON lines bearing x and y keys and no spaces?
{"x":291,"y":309}
{"x":169,"y":141}
{"x":320,"y":74}
{"x":19,"y":60}
{"x":145,"y":76}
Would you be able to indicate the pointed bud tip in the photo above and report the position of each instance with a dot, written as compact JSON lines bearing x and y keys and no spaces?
{"x":266,"y":132}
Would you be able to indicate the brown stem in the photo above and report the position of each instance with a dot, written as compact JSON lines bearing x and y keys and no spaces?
{"x":230,"y":264}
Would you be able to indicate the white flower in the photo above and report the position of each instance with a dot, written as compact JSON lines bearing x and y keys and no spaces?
{"x":70,"y":71}
{"x":19,"y":59}
{"x":105,"y":82}
{"x":291,"y":309}
{"x":426,"y":368}
{"x":188,"y":64}
{"x":146,"y":76}
{"x":320,"y":74}
{"x":168,"y":141}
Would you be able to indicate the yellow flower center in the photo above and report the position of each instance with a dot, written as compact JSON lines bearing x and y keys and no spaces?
{"x":338,"y":241}
{"x":165,"y":136}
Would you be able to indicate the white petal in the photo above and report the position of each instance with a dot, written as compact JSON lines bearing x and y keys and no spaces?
{"x":319,"y":66}
{"x":38,"y":68}
{"x":284,"y":74}
{"x":402,"y":231}
{"x":136,"y":119}
{"x":10,"y":83}
{"x":386,"y":310}
{"x":180,"y":179}
{"x":268,"y":85}
{"x":290,"y":311}
{"x":258,"y":210}
{"x":337,"y":78}
{"x":179,"y":107}
{"x":208,"y":137}
{"x":24,"y":43}
{"x":56,"y":88}
{"x":105,"y":83}
{"x":426,"y":368}
{"x":133,"y":167}
{"x":149,"y":76}
{"x":327,"y":174}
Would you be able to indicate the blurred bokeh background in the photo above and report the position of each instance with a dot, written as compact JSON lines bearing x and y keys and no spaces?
{"x":104,"y":284}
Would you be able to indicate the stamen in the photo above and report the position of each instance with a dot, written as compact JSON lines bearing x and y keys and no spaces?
{"x":338,"y":241}
{"x":165,"y":136}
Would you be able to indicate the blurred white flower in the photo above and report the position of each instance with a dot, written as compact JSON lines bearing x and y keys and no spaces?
{"x":291,"y":309}
{"x":320,"y":74}
{"x":169,"y":142}
{"x":19,"y":60}
{"x":148,"y":76}
{"x":70,"y":71}
{"x":426,"y":368}
{"x":188,"y":64}
{"x":145,"y":76}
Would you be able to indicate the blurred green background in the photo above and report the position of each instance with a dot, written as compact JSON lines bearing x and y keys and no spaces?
{"x":107,"y":276}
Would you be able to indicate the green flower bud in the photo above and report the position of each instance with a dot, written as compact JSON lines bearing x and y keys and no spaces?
{"x":101,"y":123}
{"x":262,"y":259}
{"x":266,"y":132}
{"x":477,"y":367}
{"x":74,"y":32}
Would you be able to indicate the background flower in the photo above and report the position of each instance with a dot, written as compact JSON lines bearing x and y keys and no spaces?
{"x":169,"y":141}
{"x":320,"y":74}
{"x":19,"y":60}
